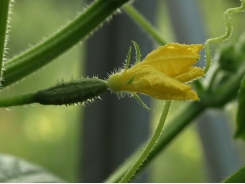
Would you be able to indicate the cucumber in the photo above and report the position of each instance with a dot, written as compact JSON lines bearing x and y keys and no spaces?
{"x":69,"y":93}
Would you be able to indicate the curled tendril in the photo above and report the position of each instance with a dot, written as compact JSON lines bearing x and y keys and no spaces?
{"x":223,"y":37}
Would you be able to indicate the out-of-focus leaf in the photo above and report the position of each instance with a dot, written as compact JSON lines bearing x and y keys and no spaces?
{"x":240,"y":131}
{"x":236,"y":177}
{"x":15,"y":170}
{"x":231,"y":57}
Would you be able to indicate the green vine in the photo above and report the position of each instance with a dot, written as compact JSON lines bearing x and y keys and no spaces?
{"x":176,"y":125}
{"x":149,"y":147}
{"x":4,"y":14}
{"x":44,"y":52}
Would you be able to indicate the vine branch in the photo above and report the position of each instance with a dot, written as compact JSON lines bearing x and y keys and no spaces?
{"x":149,"y":147}
{"x":44,"y":52}
{"x":4,"y":12}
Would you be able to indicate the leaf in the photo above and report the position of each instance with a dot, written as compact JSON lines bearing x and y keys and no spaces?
{"x":237,"y":177}
{"x":240,"y":131}
{"x":16,"y":170}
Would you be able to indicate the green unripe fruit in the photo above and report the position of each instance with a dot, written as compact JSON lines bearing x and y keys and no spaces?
{"x":67,"y":93}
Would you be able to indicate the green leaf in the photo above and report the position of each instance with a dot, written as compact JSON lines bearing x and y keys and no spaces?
{"x":240,"y":131}
{"x":16,"y":170}
{"x":237,"y":177}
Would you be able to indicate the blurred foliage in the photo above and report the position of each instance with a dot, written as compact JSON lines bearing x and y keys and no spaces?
{"x":240,"y":132}
{"x":213,"y":17}
{"x":16,"y":170}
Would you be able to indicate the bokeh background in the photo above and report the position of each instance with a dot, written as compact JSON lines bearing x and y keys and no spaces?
{"x":52,"y":136}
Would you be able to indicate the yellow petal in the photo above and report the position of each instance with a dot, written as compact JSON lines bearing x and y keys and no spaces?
{"x":192,"y":74}
{"x":160,"y":86}
{"x":173,"y":59}
{"x":148,"y":81}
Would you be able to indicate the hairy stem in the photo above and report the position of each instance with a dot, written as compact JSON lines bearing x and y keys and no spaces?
{"x":149,"y":147}
{"x":4,"y":11}
{"x":43,"y":53}
{"x":176,"y":125}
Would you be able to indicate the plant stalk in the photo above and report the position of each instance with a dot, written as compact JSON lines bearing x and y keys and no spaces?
{"x":44,"y":52}
{"x":149,"y":147}
{"x":182,"y":119}
{"x":4,"y":12}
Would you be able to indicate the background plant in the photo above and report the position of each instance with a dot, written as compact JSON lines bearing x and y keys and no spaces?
{"x":198,"y":110}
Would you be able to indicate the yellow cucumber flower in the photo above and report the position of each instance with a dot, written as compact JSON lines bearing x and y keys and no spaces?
{"x":162,"y":74}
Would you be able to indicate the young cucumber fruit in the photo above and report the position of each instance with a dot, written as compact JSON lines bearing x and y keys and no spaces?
{"x":68,"y":93}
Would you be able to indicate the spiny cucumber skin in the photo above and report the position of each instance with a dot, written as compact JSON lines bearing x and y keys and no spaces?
{"x":68,"y":93}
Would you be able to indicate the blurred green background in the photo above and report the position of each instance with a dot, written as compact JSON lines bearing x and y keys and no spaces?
{"x":49,"y":136}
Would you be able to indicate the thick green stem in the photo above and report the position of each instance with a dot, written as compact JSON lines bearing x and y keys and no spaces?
{"x":176,"y":125}
{"x":23,"y":99}
{"x":149,"y":147}
{"x":4,"y":11}
{"x":144,"y":24}
{"x":38,"y":56}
